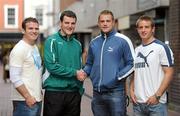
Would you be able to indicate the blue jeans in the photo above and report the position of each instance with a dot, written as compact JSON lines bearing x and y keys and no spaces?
{"x":20,"y":108}
{"x":112,"y":103}
{"x":142,"y":109}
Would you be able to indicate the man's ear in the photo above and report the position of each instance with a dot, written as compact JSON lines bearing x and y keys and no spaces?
{"x":153,"y":30}
{"x":23,"y":31}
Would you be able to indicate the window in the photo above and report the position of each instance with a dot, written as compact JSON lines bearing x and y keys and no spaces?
{"x":11,"y":16}
{"x":39,"y":15}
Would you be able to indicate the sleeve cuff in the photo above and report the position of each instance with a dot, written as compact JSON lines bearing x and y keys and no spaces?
{"x":18,"y":83}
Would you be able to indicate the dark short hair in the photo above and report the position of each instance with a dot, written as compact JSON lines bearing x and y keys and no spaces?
{"x":146,"y":18}
{"x":67,"y":13}
{"x":27,"y":20}
{"x":106,"y":12}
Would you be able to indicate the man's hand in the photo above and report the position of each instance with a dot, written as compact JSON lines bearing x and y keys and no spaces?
{"x":133,"y":97}
{"x":152,"y":100}
{"x":30,"y":101}
{"x":81,"y":75}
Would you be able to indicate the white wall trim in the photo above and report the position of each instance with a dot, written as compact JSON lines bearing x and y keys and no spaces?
{"x":6,"y":25}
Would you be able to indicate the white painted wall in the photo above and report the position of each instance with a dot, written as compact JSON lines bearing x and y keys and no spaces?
{"x":47,"y":6}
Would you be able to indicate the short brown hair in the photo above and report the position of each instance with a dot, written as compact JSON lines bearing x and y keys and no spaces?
{"x":27,"y":20}
{"x":146,"y":18}
{"x":106,"y":12}
{"x":68,"y":13}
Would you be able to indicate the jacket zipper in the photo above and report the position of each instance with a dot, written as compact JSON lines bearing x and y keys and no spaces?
{"x":102,"y":49}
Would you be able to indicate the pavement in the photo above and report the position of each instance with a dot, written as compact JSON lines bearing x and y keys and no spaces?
{"x":6,"y":105}
{"x":5,"y":102}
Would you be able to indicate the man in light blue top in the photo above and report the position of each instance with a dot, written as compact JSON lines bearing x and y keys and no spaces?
{"x":25,"y":72}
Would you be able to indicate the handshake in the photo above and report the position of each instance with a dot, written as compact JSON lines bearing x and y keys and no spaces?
{"x":81,"y":75}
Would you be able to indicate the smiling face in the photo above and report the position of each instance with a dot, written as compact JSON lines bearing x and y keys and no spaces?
{"x":31,"y":32}
{"x":67,"y":25}
{"x":106,"y":23}
{"x":145,"y":30}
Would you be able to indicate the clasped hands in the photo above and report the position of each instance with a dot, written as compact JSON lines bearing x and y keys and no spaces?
{"x":81,"y":75}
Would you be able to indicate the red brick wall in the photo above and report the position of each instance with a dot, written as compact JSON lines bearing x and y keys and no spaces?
{"x":174,"y":21}
{"x":65,"y":3}
{"x":20,"y":4}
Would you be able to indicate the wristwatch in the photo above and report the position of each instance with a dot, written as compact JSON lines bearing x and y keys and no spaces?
{"x":157,"y":97}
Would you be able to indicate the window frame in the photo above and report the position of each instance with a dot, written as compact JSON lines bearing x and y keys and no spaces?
{"x":6,"y":7}
{"x":39,"y":15}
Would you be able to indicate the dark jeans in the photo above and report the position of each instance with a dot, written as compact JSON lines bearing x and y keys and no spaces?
{"x":112,"y":103}
{"x":57,"y":103}
{"x":20,"y":108}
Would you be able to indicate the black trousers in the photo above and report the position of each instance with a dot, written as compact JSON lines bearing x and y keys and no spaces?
{"x":57,"y":103}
